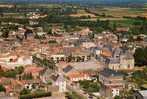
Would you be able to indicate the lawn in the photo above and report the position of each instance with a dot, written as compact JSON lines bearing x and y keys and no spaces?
{"x":81,"y":13}
{"x":117,"y":12}
{"x":73,"y":95}
{"x":89,"y":86}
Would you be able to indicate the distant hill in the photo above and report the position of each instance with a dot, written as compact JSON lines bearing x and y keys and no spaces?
{"x":80,"y":1}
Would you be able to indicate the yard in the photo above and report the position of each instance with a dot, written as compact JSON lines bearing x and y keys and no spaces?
{"x":90,"y":86}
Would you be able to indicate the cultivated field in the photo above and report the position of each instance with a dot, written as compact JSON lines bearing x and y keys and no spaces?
{"x":111,"y":13}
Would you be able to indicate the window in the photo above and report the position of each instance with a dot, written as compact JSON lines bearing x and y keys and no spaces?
{"x":129,"y":66}
{"x":110,"y":82}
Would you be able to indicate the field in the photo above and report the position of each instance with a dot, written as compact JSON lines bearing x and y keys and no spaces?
{"x":81,"y":13}
{"x":39,"y":5}
{"x":111,"y":13}
{"x":64,"y":13}
{"x":121,"y":12}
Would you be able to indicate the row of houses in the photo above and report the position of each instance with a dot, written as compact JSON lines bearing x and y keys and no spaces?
{"x":77,"y":57}
{"x":115,"y":57}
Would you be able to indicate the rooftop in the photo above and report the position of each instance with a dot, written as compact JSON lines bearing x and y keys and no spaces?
{"x":33,"y":69}
{"x":111,"y":73}
{"x":89,"y":65}
{"x":143,"y":93}
{"x":67,"y":69}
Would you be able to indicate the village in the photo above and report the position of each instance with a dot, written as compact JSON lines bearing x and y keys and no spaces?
{"x":51,"y":52}
{"x":33,"y":62}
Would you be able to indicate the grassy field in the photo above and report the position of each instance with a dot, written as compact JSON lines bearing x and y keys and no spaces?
{"x":121,"y":12}
{"x":81,"y":13}
{"x":112,"y":13}
{"x":39,"y":5}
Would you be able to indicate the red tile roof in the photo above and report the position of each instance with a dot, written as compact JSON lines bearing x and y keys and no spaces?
{"x":33,"y":69}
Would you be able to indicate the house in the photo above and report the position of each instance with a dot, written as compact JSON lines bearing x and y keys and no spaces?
{"x":113,"y":63}
{"x":127,"y":61}
{"x":11,"y":60}
{"x":121,"y":60}
{"x":31,"y":85}
{"x":76,"y":76}
{"x":142,"y":94}
{"x":9,"y":89}
{"x":80,"y":55}
{"x":70,"y":55}
{"x":81,"y":70}
{"x":28,"y":33}
{"x":122,"y":29}
{"x":97,"y":51}
{"x":33,"y":22}
{"x":85,"y":32}
{"x":88,"y":44}
{"x":112,"y":83}
{"x":12,"y":86}
{"x":39,"y":31}
{"x":106,"y":52}
{"x":58,"y":57}
{"x":34,"y":71}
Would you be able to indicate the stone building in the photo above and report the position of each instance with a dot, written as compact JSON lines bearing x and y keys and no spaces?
{"x":112,"y":83}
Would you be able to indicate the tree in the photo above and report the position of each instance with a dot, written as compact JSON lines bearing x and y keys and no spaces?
{"x":140,"y":56}
{"x":117,"y":97}
{"x":12,"y":73}
{"x":139,"y":77}
{"x":73,"y":95}
{"x":19,"y":70}
{"x":113,"y":26}
{"x":2,"y":88}
{"x":5,"y":33}
{"x":25,"y":91}
{"x":49,"y":31}
{"x":27,"y":76}
{"x":44,"y":62}
{"x":90,"y":86}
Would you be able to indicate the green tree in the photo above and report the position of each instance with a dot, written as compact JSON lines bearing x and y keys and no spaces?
{"x":19,"y":69}
{"x":90,"y":86}
{"x":140,"y":56}
{"x":5,"y":33}
{"x":25,"y":91}
{"x":73,"y":95}
{"x":2,"y":88}
{"x":139,"y":77}
{"x":117,"y":97}
{"x":27,"y":76}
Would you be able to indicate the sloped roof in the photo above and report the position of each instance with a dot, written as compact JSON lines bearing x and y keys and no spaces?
{"x":110,"y":73}
{"x":67,"y":69}
{"x":143,"y":93}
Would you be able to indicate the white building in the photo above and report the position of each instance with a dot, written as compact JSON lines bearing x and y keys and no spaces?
{"x":13,"y":61}
{"x":142,"y":94}
{"x":58,"y":57}
{"x":61,"y":83}
{"x":88,"y":44}
{"x":112,"y":82}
